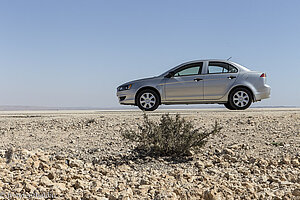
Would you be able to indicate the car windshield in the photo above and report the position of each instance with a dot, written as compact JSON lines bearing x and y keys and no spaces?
{"x":166,"y":72}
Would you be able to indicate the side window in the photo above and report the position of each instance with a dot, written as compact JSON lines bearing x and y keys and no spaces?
{"x":232,"y":69}
{"x":212,"y":69}
{"x":219,"y":67}
{"x":191,"y":70}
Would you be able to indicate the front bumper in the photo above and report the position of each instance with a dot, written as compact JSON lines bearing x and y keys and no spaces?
{"x":263,"y":94}
{"x":126,"y":97}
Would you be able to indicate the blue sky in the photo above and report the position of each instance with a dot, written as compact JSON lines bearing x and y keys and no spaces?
{"x":75,"y":53}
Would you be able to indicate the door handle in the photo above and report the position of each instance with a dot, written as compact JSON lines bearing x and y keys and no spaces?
{"x":198,"y":79}
{"x":231,"y":77}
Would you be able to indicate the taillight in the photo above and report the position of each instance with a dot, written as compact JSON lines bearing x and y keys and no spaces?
{"x":263,"y":75}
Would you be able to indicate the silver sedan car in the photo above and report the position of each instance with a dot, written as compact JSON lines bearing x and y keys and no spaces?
{"x":198,"y":82}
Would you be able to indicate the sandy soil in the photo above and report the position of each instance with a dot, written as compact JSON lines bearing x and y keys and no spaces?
{"x":256,"y":154}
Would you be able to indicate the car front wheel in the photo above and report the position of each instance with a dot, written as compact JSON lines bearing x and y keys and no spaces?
{"x":147,"y":100}
{"x":240,"y":99}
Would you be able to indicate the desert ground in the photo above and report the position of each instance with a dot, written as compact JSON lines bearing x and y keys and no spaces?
{"x":81,"y":155}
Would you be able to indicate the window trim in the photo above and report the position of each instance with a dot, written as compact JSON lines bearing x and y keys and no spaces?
{"x":190,"y":66}
{"x":207,"y":71}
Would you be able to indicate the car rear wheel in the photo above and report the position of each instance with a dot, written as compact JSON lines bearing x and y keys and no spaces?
{"x":147,"y":100}
{"x":240,"y":99}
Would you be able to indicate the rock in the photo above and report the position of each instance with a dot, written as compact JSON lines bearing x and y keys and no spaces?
{"x":263,"y":162}
{"x":2,"y":166}
{"x":36,"y":164}
{"x":249,"y":186}
{"x":18,"y":166}
{"x":2,"y":153}
{"x":228,"y":151}
{"x":145,"y":182}
{"x":44,"y":158}
{"x":190,"y":153}
{"x":264,"y":178}
{"x":143,"y":189}
{"x":76,"y":163}
{"x":61,"y":186}
{"x":80,"y":184}
{"x":180,"y":192}
{"x":285,"y":183}
{"x":121,"y":186}
{"x":88,"y":196}
{"x":61,"y":166}
{"x":227,"y":175}
{"x":210,"y":195}
{"x":44,"y":166}
{"x":29,"y":188}
{"x":274,"y":179}
{"x":45,"y":181}
{"x":128,"y":192}
{"x":124,"y":168}
{"x":285,"y":160}
{"x":103,"y":170}
{"x":42,"y":189}
{"x":51,"y":175}
{"x":199,"y":164}
{"x":296,"y":192}
{"x":26,"y":152}
{"x":234,"y":146}
{"x":34,"y":183}
{"x":60,"y":157}
{"x":208,"y":164}
{"x":218,"y":151}
{"x":295,"y":162}
{"x":227,"y":157}
{"x":104,"y":191}
{"x":112,"y":197}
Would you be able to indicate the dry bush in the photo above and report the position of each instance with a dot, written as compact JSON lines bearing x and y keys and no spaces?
{"x":169,"y":137}
{"x":9,"y":155}
{"x":90,"y":121}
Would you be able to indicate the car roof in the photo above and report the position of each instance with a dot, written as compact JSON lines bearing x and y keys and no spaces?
{"x":207,"y":60}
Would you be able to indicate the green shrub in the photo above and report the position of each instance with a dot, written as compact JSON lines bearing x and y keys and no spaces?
{"x":169,"y":137}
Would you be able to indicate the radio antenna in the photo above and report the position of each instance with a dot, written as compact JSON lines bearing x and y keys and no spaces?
{"x":229,"y":58}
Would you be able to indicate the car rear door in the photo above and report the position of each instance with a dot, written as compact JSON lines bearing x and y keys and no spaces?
{"x":219,"y":78}
{"x":186,"y":85}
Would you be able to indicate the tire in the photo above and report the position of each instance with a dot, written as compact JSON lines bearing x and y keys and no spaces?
{"x":240,"y":99}
{"x":228,"y":106}
{"x":147,"y":100}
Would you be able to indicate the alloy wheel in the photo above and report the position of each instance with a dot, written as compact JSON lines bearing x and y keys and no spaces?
{"x":147,"y":100}
{"x":241,"y":99}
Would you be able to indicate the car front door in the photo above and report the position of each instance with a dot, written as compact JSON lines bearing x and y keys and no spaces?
{"x":186,"y":84}
{"x":219,"y":78}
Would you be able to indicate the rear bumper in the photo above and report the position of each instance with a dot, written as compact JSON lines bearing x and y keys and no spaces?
{"x":264,"y":93}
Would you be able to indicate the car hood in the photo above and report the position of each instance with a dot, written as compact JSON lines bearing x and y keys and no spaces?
{"x":142,"y":80}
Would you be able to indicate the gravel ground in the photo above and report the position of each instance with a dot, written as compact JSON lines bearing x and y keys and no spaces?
{"x":81,"y":155}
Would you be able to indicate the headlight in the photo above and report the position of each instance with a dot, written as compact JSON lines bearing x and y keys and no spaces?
{"x":124,"y":87}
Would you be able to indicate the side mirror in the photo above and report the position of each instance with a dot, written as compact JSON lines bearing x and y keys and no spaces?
{"x":169,"y":75}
